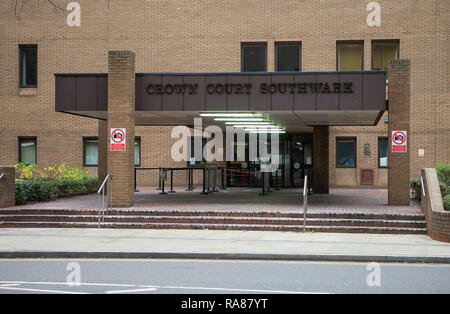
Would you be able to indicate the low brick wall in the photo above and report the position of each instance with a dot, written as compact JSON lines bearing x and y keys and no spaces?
{"x":438,"y":220}
{"x":7,"y":187}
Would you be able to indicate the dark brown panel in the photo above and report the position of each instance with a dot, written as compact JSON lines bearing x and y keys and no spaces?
{"x":86,"y":93}
{"x":65,"y":97}
{"x":351,"y":101}
{"x":149,"y":102}
{"x":239,"y":99}
{"x":327,"y":99}
{"x":305,"y":101}
{"x":174,"y":89}
{"x":216,"y":100}
{"x":195,"y":102}
{"x":283,"y":99}
{"x":374,"y":92}
{"x":102,"y":93}
{"x":259,"y":100}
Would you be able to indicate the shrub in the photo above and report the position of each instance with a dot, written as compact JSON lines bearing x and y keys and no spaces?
{"x":443,"y":172}
{"x":416,"y":186}
{"x":446,"y":201}
{"x":59,"y":181}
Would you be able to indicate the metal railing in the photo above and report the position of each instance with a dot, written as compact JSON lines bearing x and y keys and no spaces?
{"x":3,"y":175}
{"x":101,"y":199}
{"x":305,"y":202}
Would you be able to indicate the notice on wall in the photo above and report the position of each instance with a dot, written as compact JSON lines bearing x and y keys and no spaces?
{"x":421,"y":152}
{"x":399,"y":141}
{"x":118,"y":140}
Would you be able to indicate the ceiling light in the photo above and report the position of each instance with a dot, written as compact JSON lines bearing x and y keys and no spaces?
{"x":239,"y":119}
{"x":255,"y":126}
{"x":250,"y":123}
{"x":229,"y":115}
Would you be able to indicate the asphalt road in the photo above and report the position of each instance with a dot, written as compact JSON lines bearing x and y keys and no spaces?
{"x":217,"y":277}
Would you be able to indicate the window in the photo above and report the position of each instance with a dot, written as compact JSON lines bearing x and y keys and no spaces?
{"x":288,"y":57}
{"x":137,"y":152}
{"x":383,"y":147}
{"x":28,"y":65}
{"x":346,"y":153}
{"x":383,"y":53}
{"x":254,"y":57}
{"x":27,"y":150}
{"x":90,"y":147}
{"x":350,"y":56}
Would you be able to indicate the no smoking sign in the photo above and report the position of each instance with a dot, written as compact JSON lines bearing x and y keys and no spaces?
{"x":118,"y":140}
{"x":399,"y":141}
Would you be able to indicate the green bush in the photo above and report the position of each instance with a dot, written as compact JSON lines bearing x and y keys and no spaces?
{"x":416,"y":186}
{"x":443,"y":172}
{"x":446,"y":201}
{"x":36,"y":186}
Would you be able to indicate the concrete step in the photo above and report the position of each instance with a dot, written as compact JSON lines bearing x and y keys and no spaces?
{"x":162,"y":213}
{"x":246,"y":227}
{"x":218,"y":220}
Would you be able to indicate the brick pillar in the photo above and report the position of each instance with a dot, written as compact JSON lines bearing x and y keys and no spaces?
{"x":399,"y":120}
{"x":7,"y":187}
{"x":103,"y":142}
{"x":321,"y":137}
{"x":121,"y":114}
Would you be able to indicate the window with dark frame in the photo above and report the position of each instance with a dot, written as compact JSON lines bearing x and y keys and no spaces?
{"x":383,"y":147}
{"x":28,"y":66}
{"x":383,"y":52}
{"x":350,"y":56}
{"x":288,"y":57}
{"x":254,"y":57}
{"x":137,"y":152}
{"x":345,"y":152}
{"x":90,"y":152}
{"x":28,"y":150}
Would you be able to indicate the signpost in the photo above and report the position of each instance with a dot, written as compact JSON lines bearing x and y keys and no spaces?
{"x":399,"y":141}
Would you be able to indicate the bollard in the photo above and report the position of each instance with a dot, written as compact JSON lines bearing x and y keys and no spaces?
{"x":171,"y":182}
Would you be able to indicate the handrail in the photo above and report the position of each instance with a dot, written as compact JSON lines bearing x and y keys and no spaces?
{"x":3,"y":175}
{"x":305,"y":202}
{"x":423,"y":186}
{"x":101,"y":199}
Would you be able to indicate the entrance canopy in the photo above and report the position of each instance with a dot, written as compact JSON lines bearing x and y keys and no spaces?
{"x":293,"y":100}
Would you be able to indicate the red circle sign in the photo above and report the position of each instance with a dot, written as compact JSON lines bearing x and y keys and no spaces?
{"x":399,"y":138}
{"x":117,"y":136}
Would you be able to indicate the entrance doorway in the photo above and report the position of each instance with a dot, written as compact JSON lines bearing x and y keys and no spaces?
{"x":295,"y":162}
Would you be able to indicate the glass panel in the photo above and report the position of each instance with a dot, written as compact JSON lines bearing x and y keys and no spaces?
{"x":383,"y":53}
{"x":288,"y":58}
{"x":91,"y":151}
{"x":28,"y":151}
{"x":29,"y":66}
{"x":254,"y":58}
{"x":383,"y":152}
{"x":350,"y":57}
{"x":137,"y":153}
{"x":346,"y":153}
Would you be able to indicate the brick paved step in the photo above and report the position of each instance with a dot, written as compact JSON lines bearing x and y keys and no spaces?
{"x":337,"y":229}
{"x":282,"y":221}
{"x":297,"y":214}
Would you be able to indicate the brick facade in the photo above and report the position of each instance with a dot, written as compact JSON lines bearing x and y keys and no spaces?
{"x":206,"y":36}
{"x":399,"y":120}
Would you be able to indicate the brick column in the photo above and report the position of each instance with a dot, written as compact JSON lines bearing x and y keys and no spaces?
{"x":103,"y":142}
{"x":121,"y":114}
{"x":399,"y":120}
{"x":7,"y":187}
{"x":321,"y":137}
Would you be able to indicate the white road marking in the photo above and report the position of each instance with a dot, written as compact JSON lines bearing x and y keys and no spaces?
{"x":66,"y":284}
{"x":242,"y":290}
{"x":41,"y":290}
{"x":10,"y":285}
{"x":131,"y":291}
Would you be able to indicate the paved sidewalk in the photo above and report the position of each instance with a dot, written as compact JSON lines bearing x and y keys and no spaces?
{"x":205,"y":244}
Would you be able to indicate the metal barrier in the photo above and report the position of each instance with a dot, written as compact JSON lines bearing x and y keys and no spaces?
{"x":305,"y":202}
{"x":101,"y":199}
{"x":3,"y":175}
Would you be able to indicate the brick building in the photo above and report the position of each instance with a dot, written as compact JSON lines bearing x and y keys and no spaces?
{"x":193,"y":36}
